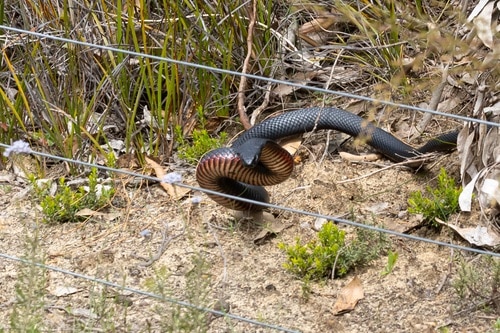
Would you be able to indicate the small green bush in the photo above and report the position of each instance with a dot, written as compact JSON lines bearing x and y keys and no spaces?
{"x":317,"y":259}
{"x":202,"y":143}
{"x":66,"y":202}
{"x":439,"y":202}
{"x":478,"y":280}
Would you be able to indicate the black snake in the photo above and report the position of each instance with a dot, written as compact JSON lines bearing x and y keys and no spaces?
{"x":255,"y":160}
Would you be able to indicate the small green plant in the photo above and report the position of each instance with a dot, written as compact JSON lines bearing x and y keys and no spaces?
{"x":468,"y":279}
{"x":202,"y":142}
{"x":64,"y":205}
{"x":479,"y":280}
{"x":157,"y":283}
{"x":496,"y":326}
{"x":439,"y":202}
{"x":101,"y":305}
{"x":329,"y":255}
{"x":28,"y":311}
{"x":306,"y":289}
{"x":111,"y":160}
{"x":315,"y":260}
{"x":444,"y":329}
{"x":182,"y":318}
{"x":392,"y":257}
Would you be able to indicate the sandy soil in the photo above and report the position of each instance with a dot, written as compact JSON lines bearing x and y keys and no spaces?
{"x":242,"y":276}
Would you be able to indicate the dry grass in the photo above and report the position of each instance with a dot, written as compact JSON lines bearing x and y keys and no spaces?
{"x":72,"y":100}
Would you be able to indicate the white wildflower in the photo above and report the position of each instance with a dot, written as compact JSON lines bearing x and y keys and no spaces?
{"x":18,"y":147}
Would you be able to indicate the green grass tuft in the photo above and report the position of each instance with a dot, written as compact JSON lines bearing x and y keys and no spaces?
{"x":439,"y":202}
{"x":477,"y":282}
{"x":69,"y":99}
{"x":479,"y":279}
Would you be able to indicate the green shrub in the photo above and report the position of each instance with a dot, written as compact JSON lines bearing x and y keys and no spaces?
{"x":478,"y":280}
{"x":65,"y":203}
{"x":496,"y":326}
{"x":329,"y":255}
{"x":202,"y":143}
{"x":439,"y":202}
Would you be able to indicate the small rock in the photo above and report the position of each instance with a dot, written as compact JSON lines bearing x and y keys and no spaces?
{"x":402,"y":214}
{"x":378,"y":207}
{"x":305,"y":225}
{"x":318,"y":223}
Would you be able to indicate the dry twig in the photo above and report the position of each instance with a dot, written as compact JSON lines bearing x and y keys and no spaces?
{"x":163,"y":246}
{"x":243,"y":81}
{"x":436,"y":97}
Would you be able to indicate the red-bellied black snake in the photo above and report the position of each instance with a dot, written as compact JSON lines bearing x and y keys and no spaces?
{"x":255,"y":160}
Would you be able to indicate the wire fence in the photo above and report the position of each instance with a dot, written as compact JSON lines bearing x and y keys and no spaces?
{"x":252,"y":76}
{"x":14,"y":149}
{"x":145,"y":293}
{"x":259,"y":203}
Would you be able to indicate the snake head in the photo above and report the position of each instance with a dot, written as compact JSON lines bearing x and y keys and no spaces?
{"x":249,"y":151}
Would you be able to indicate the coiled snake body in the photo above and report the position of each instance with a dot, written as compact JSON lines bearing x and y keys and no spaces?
{"x":255,"y":160}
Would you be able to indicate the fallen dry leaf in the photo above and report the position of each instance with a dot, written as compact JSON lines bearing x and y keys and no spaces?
{"x":291,"y":145}
{"x":271,"y":228}
{"x":378,"y":207}
{"x":81,"y":312}
{"x":484,"y":24}
{"x":349,"y":297}
{"x":479,"y":235}
{"x":282,"y":90}
{"x":317,"y":24}
{"x":319,"y":223}
{"x":60,"y":291}
{"x":449,"y":104}
{"x":173,"y":191}
{"x":7,"y":177}
{"x":127,"y":161}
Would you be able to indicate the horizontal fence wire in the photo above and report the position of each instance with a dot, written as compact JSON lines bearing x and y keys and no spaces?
{"x":180,"y":184}
{"x":145,"y":293}
{"x":260,"y":203}
{"x":252,"y":76}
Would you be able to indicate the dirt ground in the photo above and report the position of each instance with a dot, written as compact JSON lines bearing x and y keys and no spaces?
{"x":243,"y":276}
